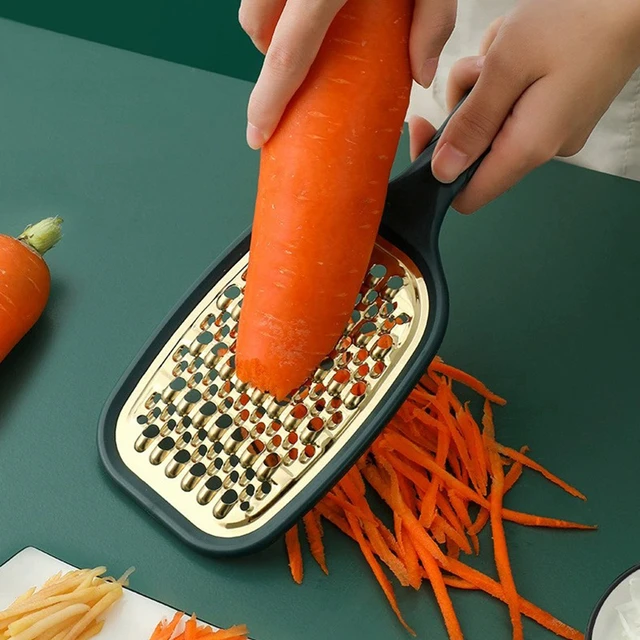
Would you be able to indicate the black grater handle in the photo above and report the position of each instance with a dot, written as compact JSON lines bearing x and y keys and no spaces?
{"x":417,"y":202}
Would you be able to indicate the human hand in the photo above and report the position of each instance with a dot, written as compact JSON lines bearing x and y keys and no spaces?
{"x":290,"y":33}
{"x":546,"y":75}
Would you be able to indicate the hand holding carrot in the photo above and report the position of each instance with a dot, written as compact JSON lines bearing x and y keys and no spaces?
{"x":290,"y":32}
{"x":547,"y":73}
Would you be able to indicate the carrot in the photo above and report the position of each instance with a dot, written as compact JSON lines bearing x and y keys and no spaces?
{"x":164,"y":631}
{"x":468,"y":381}
{"x":25,"y":280}
{"x":528,"y":462}
{"x":295,"y":554}
{"x":377,"y":570}
{"x":496,"y":496}
{"x":313,"y":527}
{"x":321,"y":192}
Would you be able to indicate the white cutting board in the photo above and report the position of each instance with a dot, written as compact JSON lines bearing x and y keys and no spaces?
{"x":134,"y":617}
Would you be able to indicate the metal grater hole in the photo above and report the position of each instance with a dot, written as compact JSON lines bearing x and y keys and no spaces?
{"x":334,"y":405}
{"x":200,"y":343}
{"x":258,"y":430}
{"x":207,"y":321}
{"x":176,"y":464}
{"x":225,"y":390}
{"x":228,"y":296}
{"x":361,"y":356}
{"x":273,"y":427}
{"x":215,"y":354}
{"x":258,"y":397}
{"x":268,"y":467}
{"x":317,"y":391}
{"x":344,"y":344}
{"x":377,"y":370}
{"x":227,"y":370}
{"x":312,"y":430}
{"x":393,"y":285}
{"x":361,"y":372}
{"x":376,"y":274}
{"x":186,"y":404}
{"x":252,"y":453}
{"x":222,"y":333}
{"x":356,"y":395}
{"x":153,"y":399}
{"x":225,"y":504}
{"x":302,"y":394}
{"x":142,"y":419}
{"x":344,"y":359}
{"x":291,"y":457}
{"x":174,"y":388}
{"x":290,"y":440}
{"x":308,"y":452}
{"x":388,"y":325}
{"x":365,"y":332}
{"x":386,"y":309}
{"x":382,"y":347}
{"x":242,"y":417}
{"x":275,"y":408}
{"x":146,"y":438}
{"x":159,"y":454}
{"x":274,"y":443}
{"x":257,"y":415}
{"x":241,"y":402}
{"x":209,"y":490}
{"x":179,"y":353}
{"x":195,"y":364}
{"x":194,"y":380}
{"x":235,"y":440}
{"x":325,"y":367}
{"x":238,"y":385}
{"x":371,"y":296}
{"x":371,"y":312}
{"x":403,"y":318}
{"x":193,"y":477}
{"x":220,"y":427}
{"x":318,"y":407}
{"x":338,"y":382}
{"x":336,"y":419}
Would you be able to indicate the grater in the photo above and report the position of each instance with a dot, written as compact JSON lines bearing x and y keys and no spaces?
{"x":228,"y":468}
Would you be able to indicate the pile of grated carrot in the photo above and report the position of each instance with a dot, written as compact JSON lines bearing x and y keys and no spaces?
{"x":444,"y":478}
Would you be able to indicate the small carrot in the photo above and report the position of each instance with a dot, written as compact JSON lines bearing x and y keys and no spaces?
{"x":25,"y":280}
{"x":295,"y":554}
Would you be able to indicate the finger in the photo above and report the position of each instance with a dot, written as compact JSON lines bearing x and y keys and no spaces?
{"x":473,"y":127}
{"x":433,"y":23}
{"x":259,"y":18}
{"x":421,"y":132}
{"x":294,"y":46}
{"x":490,"y":35}
{"x":463,"y":76}
{"x":531,"y":136}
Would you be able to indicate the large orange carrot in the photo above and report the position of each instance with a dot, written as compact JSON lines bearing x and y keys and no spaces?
{"x":295,"y":554}
{"x":25,"y":281}
{"x":321,"y":192}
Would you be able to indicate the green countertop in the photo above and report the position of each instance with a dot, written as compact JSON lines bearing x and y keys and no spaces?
{"x":146,"y":162}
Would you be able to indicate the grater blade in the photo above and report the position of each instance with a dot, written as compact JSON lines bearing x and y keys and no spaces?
{"x":229,"y":458}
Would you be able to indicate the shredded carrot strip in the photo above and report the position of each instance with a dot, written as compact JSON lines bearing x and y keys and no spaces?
{"x":467,"y":380}
{"x":295,"y":554}
{"x":313,"y":528}
{"x":528,"y":462}
{"x":377,"y":570}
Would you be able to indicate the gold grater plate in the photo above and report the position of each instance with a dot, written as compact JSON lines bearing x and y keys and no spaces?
{"x":228,"y":457}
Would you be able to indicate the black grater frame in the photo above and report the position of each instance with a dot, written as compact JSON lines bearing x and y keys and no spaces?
{"x":414,"y":212}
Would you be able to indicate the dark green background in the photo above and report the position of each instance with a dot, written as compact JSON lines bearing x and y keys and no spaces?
{"x":191,"y":32}
{"x":146,"y":162}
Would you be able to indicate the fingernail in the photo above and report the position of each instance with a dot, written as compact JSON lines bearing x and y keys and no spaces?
{"x":449,"y":163}
{"x":255,"y":137}
{"x":480,"y":61}
{"x":428,"y":72}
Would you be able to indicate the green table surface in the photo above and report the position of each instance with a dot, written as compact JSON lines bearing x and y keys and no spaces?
{"x":146,"y":162}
